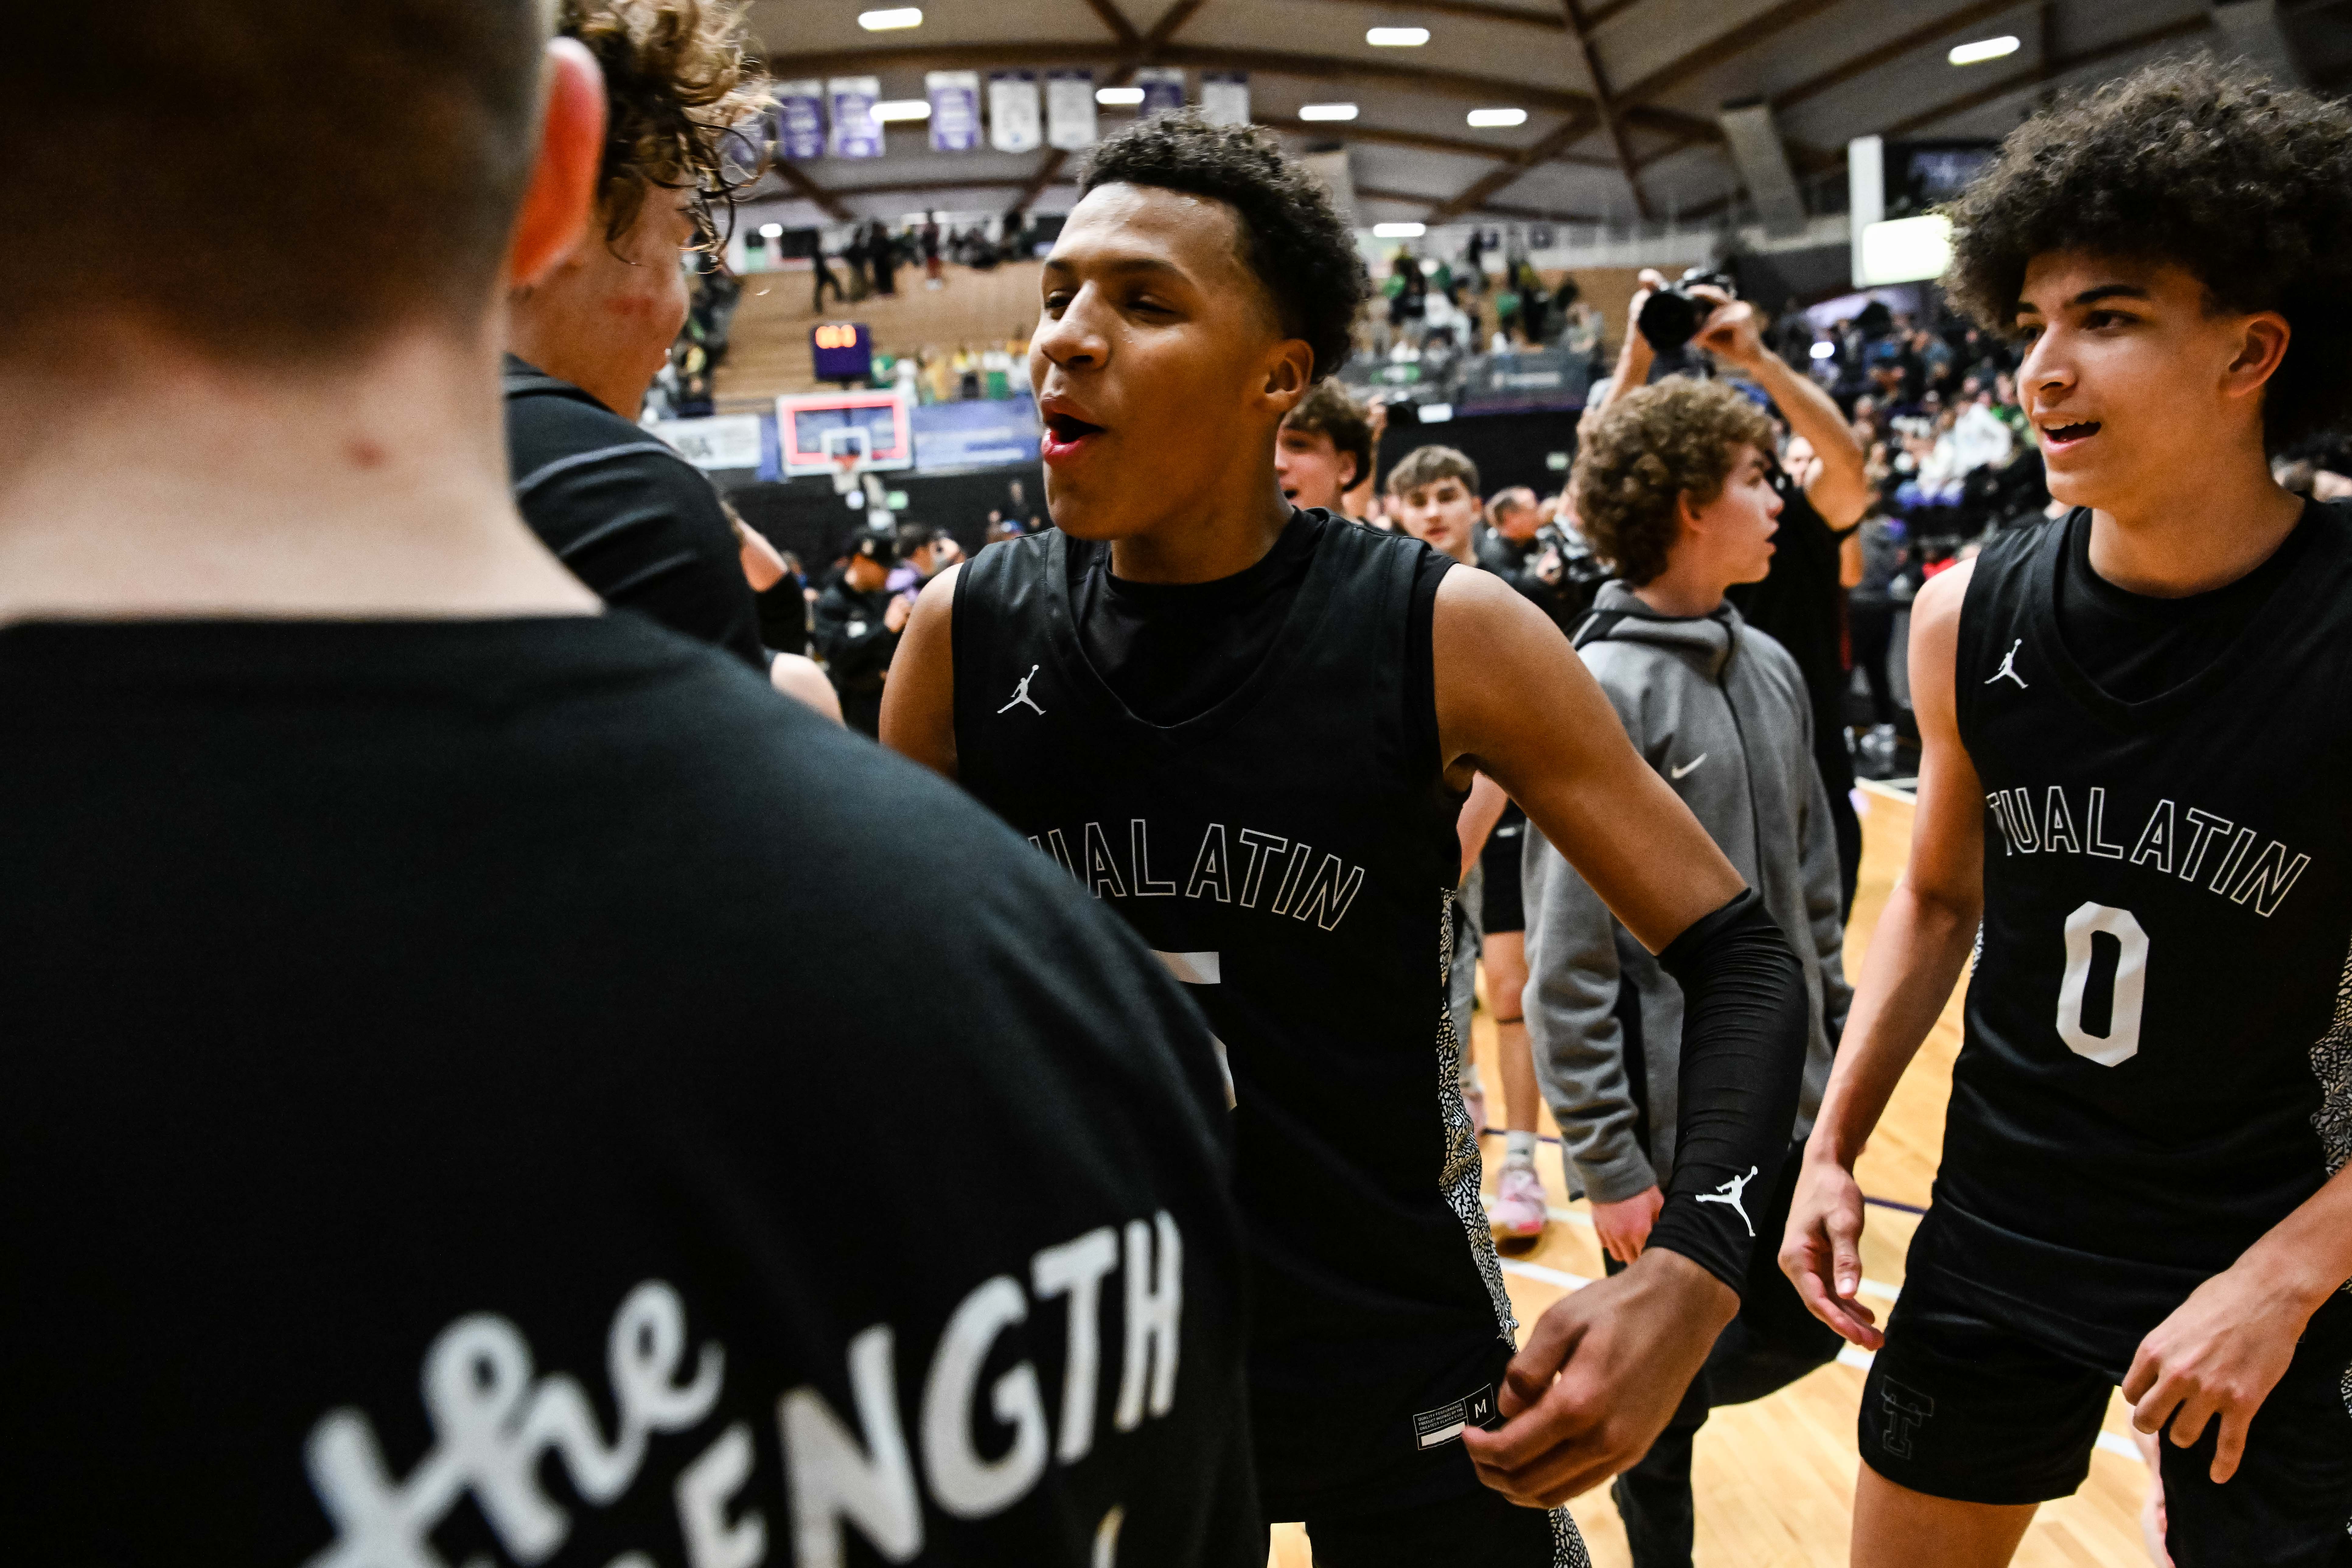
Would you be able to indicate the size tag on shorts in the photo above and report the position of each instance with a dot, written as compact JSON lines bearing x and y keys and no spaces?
{"x":1432,"y":1428}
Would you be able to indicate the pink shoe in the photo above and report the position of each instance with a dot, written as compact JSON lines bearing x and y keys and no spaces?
{"x":1518,"y":1210}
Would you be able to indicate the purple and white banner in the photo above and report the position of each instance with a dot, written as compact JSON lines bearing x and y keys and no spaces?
{"x":1017,"y":121}
{"x":1225,"y":98}
{"x":1070,"y":109}
{"x":855,"y":133}
{"x":800,"y":120}
{"x":1163,"y":88}
{"x":955,"y":109}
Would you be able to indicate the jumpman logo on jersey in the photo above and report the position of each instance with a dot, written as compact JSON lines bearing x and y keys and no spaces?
{"x":1729,"y":1194}
{"x":1020,"y":697}
{"x":2009,"y":666}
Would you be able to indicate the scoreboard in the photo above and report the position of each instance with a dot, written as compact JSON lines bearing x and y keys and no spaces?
{"x":844,"y":350}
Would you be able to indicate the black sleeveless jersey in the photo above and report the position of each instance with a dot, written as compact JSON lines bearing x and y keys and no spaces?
{"x":1290,"y":853}
{"x":2157,"y":1064}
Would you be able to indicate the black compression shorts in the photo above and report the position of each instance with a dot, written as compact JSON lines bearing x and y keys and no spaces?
{"x":1480,"y":1527}
{"x":1499,"y":908}
{"x":1960,"y":1407}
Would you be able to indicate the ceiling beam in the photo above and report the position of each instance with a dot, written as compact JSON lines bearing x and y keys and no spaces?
{"x":1599,"y":16}
{"x":2046,"y":69}
{"x":1892,"y":50}
{"x":1726,"y":48}
{"x":1568,"y":132}
{"x":1499,"y":209}
{"x":1111,"y":17}
{"x":809,"y":190}
{"x":1613,"y":134}
{"x":1474,"y":10}
{"x":1389,"y":136}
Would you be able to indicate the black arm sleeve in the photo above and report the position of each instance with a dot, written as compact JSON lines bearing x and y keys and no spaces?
{"x":1744,"y":1022}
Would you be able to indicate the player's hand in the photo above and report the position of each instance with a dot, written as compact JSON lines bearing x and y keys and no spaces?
{"x":1822,"y":1252}
{"x":1733,"y":330}
{"x":1601,"y":1376}
{"x":895,"y":617}
{"x":1624,"y":1226}
{"x":2218,"y":1355}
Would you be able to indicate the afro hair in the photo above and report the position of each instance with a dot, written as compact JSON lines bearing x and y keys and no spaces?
{"x":2246,"y":186}
{"x":1294,"y":239}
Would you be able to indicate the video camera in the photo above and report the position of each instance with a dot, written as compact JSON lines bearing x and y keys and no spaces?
{"x":1670,"y":316}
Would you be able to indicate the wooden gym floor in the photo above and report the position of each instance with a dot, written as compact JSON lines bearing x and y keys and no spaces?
{"x":1774,"y":1479}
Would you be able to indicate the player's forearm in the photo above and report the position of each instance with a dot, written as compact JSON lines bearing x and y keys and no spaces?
{"x":1915,"y":956}
{"x":2307,"y":1257}
{"x":1745,"y":1023}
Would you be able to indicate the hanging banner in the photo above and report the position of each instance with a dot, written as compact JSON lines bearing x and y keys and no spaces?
{"x":1163,"y":88}
{"x":955,"y":109}
{"x":1225,"y":98}
{"x":1070,"y":109}
{"x":855,"y":133}
{"x":1016,"y":121}
{"x":800,"y":120}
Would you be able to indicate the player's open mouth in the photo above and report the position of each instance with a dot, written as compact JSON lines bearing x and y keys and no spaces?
{"x":1064,"y":435}
{"x":2055,"y":438}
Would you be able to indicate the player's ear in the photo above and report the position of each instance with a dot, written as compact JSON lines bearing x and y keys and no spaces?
{"x":1289,"y":371}
{"x":1347,"y":481}
{"x":2262,"y":345}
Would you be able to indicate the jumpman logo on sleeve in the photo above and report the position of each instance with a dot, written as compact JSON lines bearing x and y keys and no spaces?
{"x":2008,"y":670}
{"x":1729,"y":1194}
{"x":1021,"y":698}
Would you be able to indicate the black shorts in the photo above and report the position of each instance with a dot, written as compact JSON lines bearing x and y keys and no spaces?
{"x":1499,"y":909}
{"x":1958,"y":1407}
{"x":1480,"y":1527}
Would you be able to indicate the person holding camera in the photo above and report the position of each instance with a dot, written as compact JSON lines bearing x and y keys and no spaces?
{"x":1550,"y":570}
{"x":1676,"y":488}
{"x":1823,"y":493}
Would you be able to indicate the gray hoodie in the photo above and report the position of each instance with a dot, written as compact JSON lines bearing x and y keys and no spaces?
{"x":1720,"y":711}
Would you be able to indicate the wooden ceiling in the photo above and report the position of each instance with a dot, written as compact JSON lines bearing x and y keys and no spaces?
{"x":1622,"y":96}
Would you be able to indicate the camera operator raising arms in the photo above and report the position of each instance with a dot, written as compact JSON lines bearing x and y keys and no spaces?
{"x":1801,"y":605}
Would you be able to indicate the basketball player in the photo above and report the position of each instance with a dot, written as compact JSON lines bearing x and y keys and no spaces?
{"x":2134,"y":742}
{"x":631,"y":517}
{"x":1249,"y":727}
{"x":425,"y":1017}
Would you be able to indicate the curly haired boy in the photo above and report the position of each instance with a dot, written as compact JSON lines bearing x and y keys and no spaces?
{"x":2134,"y":733}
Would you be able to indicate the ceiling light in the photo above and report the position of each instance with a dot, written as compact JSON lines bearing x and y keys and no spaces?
{"x":1484,"y":117}
{"x":884,"y":21}
{"x":1825,"y":351}
{"x":771,"y":231}
{"x":1397,"y":37}
{"x":891,"y":110}
{"x":1983,"y":49}
{"x":1327,"y":111}
{"x":1399,"y":230}
{"x":1118,"y":96}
